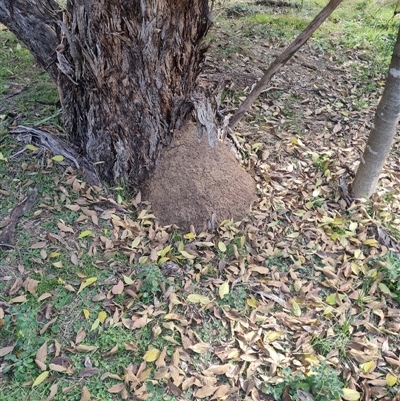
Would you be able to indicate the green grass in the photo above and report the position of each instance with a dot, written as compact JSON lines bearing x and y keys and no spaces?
{"x":28,"y":93}
{"x":278,"y":25}
{"x":366,"y":26}
{"x":321,"y":382}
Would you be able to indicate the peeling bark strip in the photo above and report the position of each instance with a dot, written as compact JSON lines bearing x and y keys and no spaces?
{"x":380,"y":139}
{"x":128,"y":74}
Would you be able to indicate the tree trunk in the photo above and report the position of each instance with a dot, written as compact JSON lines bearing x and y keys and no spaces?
{"x":125,"y":70}
{"x":129,"y":71}
{"x":383,"y":131}
{"x":35,"y":23}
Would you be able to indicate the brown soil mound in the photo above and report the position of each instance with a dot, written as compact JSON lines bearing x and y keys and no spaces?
{"x":199,"y":185}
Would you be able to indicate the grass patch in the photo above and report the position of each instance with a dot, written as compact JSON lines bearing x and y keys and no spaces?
{"x":27,"y":92}
{"x":243,"y":301}
{"x":282,"y":26}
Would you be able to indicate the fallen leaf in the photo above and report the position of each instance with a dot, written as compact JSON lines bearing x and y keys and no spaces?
{"x":44,"y":296}
{"x":41,"y":356}
{"x":85,"y":394}
{"x":85,"y":234}
{"x":205,"y":391}
{"x":117,"y":388}
{"x":118,"y":288}
{"x":102,"y":316}
{"x":88,"y":372}
{"x":18,"y":300}
{"x":368,"y":367}
{"x":198,"y":299}
{"x":151,"y":355}
{"x":350,"y":394}
{"x":217,"y":369}
{"x":221,"y":246}
{"x":200,"y":348}
{"x":391,"y":380}
{"x":223,"y":289}
{"x":6,"y":350}
{"x":40,"y":379}
{"x":64,"y":228}
{"x":85,"y":348}
{"x":86,"y":283}
{"x":53,"y":391}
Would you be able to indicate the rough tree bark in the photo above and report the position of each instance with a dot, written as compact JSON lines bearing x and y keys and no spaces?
{"x":125,"y":71}
{"x":35,"y":23}
{"x":382,"y":133}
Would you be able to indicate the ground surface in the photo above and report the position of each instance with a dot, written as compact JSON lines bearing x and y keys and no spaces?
{"x":299,"y":301}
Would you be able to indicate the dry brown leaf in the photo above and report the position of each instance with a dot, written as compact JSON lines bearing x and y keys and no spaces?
{"x":47,"y":325}
{"x":80,"y":335}
{"x":200,"y":348}
{"x":57,"y":368}
{"x":175,"y":357}
{"x":88,"y":372}
{"x":85,"y":394}
{"x":161,"y":358}
{"x":216,"y":370}
{"x":53,"y":391}
{"x":44,"y":296}
{"x":116,"y":388}
{"x":130,"y":346}
{"x":39,"y":245}
{"x":144,"y":375}
{"x":118,"y":288}
{"x":222,"y":392}
{"x":41,"y":356}
{"x":16,"y":286}
{"x":64,"y":228}
{"x":6,"y":350}
{"x":18,"y":300}
{"x":140,"y":322}
{"x":205,"y":391}
{"x":85,"y":348}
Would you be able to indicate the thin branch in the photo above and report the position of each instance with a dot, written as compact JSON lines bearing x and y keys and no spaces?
{"x":281,"y":60}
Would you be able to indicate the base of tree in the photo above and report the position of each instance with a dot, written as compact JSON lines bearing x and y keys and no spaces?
{"x":197,"y":185}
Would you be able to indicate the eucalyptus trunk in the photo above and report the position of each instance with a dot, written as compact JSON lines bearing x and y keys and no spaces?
{"x":125,"y":69}
{"x":382,"y":133}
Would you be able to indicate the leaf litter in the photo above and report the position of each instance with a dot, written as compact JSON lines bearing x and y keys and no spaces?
{"x":298,"y":286}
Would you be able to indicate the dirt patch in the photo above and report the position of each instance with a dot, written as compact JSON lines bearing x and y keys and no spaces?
{"x":199,"y":185}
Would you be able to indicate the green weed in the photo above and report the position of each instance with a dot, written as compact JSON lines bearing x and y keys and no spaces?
{"x":152,"y":280}
{"x":322,"y":382}
{"x":391,"y":272}
{"x":339,"y":341}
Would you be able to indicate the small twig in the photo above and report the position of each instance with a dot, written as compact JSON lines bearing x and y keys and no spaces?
{"x":48,"y":118}
{"x":18,"y":153}
{"x":273,"y":297}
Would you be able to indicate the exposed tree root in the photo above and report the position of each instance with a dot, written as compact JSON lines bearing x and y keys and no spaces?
{"x":58,"y":147}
